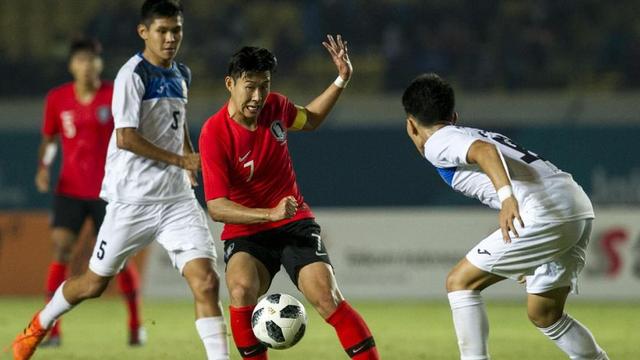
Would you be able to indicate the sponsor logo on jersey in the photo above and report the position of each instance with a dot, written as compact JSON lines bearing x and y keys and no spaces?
{"x":243,"y":158}
{"x":278,"y":132}
{"x":103,"y":114}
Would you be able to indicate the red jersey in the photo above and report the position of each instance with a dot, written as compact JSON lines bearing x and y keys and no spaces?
{"x":85,"y":130}
{"x":252,"y":168}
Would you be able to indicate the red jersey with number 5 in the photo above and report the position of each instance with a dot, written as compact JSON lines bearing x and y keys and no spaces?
{"x":85,"y":130}
{"x":252,"y":168}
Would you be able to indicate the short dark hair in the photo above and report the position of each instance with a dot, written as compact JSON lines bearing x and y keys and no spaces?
{"x":251,"y":59}
{"x":429,"y":99}
{"x":85,"y":44}
{"x":152,"y":9}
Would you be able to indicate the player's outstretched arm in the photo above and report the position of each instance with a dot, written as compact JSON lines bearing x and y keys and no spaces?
{"x":229,"y":212}
{"x":130,"y":139}
{"x":490,"y":160}
{"x":46,"y":153}
{"x":319,"y":108}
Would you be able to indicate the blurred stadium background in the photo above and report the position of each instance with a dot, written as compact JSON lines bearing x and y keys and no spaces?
{"x":560,"y":77}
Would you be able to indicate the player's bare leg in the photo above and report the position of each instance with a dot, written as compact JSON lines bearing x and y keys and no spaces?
{"x":69,"y":294}
{"x":547,"y":308}
{"x":86,"y":286}
{"x":546,"y":311}
{"x":319,"y":286}
{"x":63,"y":240}
{"x":247,"y":278}
{"x":464,"y":284}
{"x":205,"y":284}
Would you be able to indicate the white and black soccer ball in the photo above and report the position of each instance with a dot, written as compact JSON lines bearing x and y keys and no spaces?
{"x":279,"y":321}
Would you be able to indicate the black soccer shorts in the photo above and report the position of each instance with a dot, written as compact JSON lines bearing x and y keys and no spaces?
{"x":293,"y":246}
{"x":70,"y":213}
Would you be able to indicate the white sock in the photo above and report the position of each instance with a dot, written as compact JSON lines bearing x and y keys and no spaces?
{"x":213,"y":333}
{"x":574,"y":339}
{"x":55,"y":308}
{"x":471,"y":324}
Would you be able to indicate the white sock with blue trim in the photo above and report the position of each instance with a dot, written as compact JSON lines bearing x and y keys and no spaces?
{"x":574,"y":339}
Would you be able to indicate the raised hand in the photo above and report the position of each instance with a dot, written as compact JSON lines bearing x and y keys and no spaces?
{"x":340,"y":55}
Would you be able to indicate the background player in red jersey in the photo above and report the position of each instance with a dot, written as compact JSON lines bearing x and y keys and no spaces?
{"x":250,"y":186}
{"x":79,"y":112}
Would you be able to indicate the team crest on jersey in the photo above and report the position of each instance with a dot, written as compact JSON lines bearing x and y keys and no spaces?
{"x":103,"y":113}
{"x":278,"y":132}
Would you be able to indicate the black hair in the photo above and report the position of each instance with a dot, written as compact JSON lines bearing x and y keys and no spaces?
{"x":85,"y":44}
{"x":251,"y":59}
{"x":429,"y":99}
{"x":152,"y":9}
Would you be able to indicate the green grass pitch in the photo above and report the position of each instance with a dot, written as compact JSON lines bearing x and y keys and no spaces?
{"x":403,"y":330}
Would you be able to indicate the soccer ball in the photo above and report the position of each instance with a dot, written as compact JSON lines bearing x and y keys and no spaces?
{"x":279,"y":321}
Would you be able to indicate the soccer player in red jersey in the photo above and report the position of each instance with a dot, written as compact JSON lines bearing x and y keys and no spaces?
{"x":79,"y":113}
{"x":250,"y":186}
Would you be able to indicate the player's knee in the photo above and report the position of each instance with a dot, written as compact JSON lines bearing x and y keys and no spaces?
{"x":61,"y":255}
{"x":242,"y":293}
{"x":455,"y":281}
{"x":325,"y":302}
{"x":62,"y":251}
{"x":206,"y":285}
{"x":543,"y":318}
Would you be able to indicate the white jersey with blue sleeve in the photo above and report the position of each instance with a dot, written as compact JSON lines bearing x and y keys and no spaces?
{"x":152,"y":100}
{"x":545,"y":193}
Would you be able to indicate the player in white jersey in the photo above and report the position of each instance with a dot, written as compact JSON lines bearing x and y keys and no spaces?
{"x":149,"y":171}
{"x":545,"y":222}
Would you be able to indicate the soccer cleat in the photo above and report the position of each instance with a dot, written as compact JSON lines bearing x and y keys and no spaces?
{"x":138,"y":337}
{"x":27,"y":341}
{"x":51,"y":342}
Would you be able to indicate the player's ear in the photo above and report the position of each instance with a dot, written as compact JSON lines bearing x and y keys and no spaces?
{"x":229,"y":83}
{"x":412,"y":127}
{"x":143,"y":31}
{"x":454,"y":118}
{"x":99,"y":64}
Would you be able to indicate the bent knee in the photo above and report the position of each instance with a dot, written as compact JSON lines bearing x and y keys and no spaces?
{"x":456,"y":281}
{"x":243,"y":293}
{"x":62,"y":251}
{"x":544,"y":319}
{"x":326,"y":303}
{"x":207,"y":283}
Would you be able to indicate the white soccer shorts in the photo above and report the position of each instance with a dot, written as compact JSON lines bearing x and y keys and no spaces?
{"x":547,"y":256}
{"x":180,"y":227}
